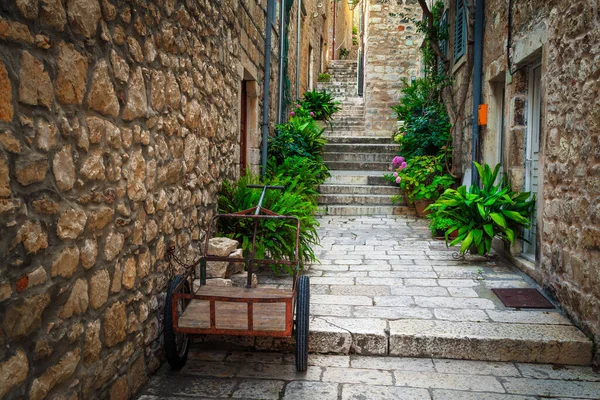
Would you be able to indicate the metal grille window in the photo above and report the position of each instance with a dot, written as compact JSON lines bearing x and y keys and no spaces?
{"x":460,"y":30}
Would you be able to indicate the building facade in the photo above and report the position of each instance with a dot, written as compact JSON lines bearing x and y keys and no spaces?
{"x":540,"y":81}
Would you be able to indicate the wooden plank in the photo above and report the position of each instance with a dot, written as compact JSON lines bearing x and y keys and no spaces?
{"x":244,"y":293}
{"x":266,"y":316}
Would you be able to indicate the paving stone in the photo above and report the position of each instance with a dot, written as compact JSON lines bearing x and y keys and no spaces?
{"x":380,"y":281}
{"x":404,"y":274}
{"x":489,"y":341}
{"x":331,"y":309}
{"x":529,"y":317}
{"x":164,"y":386}
{"x":439,"y":394}
{"x":391,"y":313}
{"x":419,"y":291}
{"x":358,"y":290}
{"x":361,"y":392}
{"x":321,"y":360}
{"x":534,"y":387}
{"x":435,"y":380}
{"x":393,"y":301}
{"x":302,"y":390}
{"x":460,"y":315}
{"x":256,"y":357}
{"x":258,"y":389}
{"x":420,"y":282}
{"x":565,"y":372}
{"x":505,"y":284}
{"x":371,"y":267}
{"x":357,"y":375}
{"x":454,"y":302}
{"x":476,"y":367}
{"x":327,"y":338}
{"x":344,"y":300}
{"x":457,"y":282}
{"x":462,"y":292}
{"x":332,"y":281}
{"x":213,"y":369}
{"x":392,"y":363}
{"x":274,"y":371}
{"x":368,"y":334}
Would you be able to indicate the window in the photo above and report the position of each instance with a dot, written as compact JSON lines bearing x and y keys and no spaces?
{"x":443,"y":42}
{"x":460,"y":30}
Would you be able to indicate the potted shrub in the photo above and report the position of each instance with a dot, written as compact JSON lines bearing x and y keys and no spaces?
{"x":439,"y":225}
{"x":481,"y":213}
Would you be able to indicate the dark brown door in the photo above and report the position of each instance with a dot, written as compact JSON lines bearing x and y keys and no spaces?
{"x":243,"y":129}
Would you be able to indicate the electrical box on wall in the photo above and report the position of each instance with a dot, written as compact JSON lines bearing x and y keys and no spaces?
{"x":482,"y":118}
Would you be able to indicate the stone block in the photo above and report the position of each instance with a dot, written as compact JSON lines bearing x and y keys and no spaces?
{"x":236,"y":267}
{"x":377,"y":392}
{"x":221,"y":246}
{"x":357,"y":375}
{"x":216,"y":269}
{"x":240,"y":280}
{"x":13,"y":372}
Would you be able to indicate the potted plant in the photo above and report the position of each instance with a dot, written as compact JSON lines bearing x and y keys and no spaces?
{"x":344,"y":53}
{"x":481,"y":213}
{"x":439,"y":225}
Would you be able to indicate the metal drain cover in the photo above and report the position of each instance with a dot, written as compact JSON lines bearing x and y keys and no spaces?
{"x":522,"y":298}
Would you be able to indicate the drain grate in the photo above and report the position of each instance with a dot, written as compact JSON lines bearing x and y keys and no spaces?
{"x":522,"y":298}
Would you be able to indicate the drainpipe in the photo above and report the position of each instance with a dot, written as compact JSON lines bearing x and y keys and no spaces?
{"x":298,"y":50}
{"x":266,"y":87}
{"x":477,"y":85}
{"x":333,"y":41}
{"x":281,"y":61}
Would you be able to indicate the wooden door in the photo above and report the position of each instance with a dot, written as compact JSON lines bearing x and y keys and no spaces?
{"x":243,"y":129}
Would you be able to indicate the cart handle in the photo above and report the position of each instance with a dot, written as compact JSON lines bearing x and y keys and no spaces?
{"x":262,"y":196}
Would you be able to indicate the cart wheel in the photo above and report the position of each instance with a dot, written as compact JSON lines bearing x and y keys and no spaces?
{"x":176,"y":344}
{"x":302,"y":314}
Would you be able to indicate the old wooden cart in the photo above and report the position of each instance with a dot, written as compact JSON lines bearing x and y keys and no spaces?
{"x":240,"y":311}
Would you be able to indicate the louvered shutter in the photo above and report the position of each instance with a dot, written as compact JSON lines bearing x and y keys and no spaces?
{"x":460,"y":30}
{"x":443,"y":43}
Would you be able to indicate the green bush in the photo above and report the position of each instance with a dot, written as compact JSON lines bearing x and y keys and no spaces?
{"x":301,"y":174}
{"x":301,"y":136}
{"x":324,"y":77}
{"x":320,"y":103}
{"x":276,"y":239}
{"x":481,"y":213}
{"x":424,"y":178}
{"x":439,"y":225}
{"x":426,"y":125}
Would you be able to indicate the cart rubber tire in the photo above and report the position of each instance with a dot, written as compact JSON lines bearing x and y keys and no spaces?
{"x":176,"y":358}
{"x":302,"y":320}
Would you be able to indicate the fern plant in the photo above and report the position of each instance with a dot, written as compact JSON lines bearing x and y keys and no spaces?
{"x":275,"y":238}
{"x":321,"y":103}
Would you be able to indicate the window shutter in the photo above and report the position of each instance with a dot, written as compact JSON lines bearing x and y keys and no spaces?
{"x":460,"y":30}
{"x":443,"y":43}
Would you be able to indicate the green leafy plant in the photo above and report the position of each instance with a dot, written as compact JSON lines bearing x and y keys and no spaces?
{"x":425,"y":126}
{"x":483,"y":212}
{"x":344,"y":53}
{"x":320,"y":103}
{"x":300,"y":136}
{"x":299,"y":174}
{"x":325,"y":77}
{"x":423,"y":178}
{"x":276,"y":239}
{"x":439,"y":225}
{"x":354,"y":30}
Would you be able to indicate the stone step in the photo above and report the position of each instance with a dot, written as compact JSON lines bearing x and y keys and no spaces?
{"x":333,"y":139}
{"x":359,"y":157}
{"x":360,"y":166}
{"x":356,"y":178}
{"x":356,"y":199}
{"x":349,"y":210}
{"x":359,"y":189}
{"x":361,"y":148}
{"x":556,"y":344}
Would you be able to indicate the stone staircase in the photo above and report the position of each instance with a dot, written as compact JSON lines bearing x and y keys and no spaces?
{"x":357,"y":161}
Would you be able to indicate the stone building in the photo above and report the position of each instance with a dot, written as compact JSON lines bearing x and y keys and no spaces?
{"x":540,"y":81}
{"x":119,"y":120}
{"x":392,"y":48}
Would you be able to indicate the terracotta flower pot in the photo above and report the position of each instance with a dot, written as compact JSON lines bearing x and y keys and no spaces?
{"x":421,"y":205}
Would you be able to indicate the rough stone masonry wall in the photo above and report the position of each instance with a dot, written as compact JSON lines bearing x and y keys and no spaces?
{"x":393,"y":52}
{"x":118,"y":123}
{"x":571,"y":210}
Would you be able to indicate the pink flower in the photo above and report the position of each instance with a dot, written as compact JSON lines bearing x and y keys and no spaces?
{"x":403,"y":165}
{"x":398,"y":180}
{"x":292,"y":113}
{"x":397,"y":160}
{"x":298,"y":106}
{"x":395,"y":174}
{"x":312,"y":114}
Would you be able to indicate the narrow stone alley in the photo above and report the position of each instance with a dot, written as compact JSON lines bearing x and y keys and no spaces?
{"x":383,"y":294}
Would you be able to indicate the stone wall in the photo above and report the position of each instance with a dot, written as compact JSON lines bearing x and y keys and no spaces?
{"x":118,"y":122}
{"x":393,"y":53}
{"x":565,"y":38}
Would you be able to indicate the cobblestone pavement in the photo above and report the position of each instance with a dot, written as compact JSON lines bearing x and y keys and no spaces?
{"x":210,"y":375}
{"x":383,"y":289}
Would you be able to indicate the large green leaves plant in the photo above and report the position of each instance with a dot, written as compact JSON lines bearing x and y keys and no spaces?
{"x":320,"y":103}
{"x":483,"y":212}
{"x":300,"y":136}
{"x":276,"y":239}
